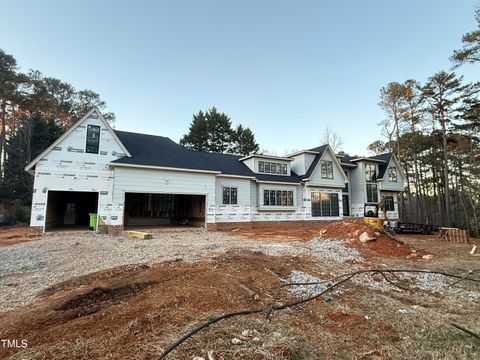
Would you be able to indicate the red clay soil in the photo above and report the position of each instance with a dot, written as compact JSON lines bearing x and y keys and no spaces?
{"x":132,"y":304}
{"x":10,"y":235}
{"x":381,"y":246}
{"x":348,"y":230}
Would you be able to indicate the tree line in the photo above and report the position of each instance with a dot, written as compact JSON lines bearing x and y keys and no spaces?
{"x":34,"y":111}
{"x":433,"y":128}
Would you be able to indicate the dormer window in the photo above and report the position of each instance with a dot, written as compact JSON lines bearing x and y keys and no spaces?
{"x":326,"y":169}
{"x":270,"y":167}
{"x":92,"y":144}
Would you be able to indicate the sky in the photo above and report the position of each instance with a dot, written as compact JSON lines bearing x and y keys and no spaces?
{"x":286,"y":69}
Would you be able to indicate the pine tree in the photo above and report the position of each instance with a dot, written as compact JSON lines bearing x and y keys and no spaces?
{"x":470,"y":52}
{"x":220,"y":131}
{"x":244,"y":140}
{"x":197,"y":137}
{"x":212,"y":131}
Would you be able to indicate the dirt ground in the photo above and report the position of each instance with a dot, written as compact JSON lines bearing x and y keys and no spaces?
{"x":10,"y":235}
{"x":134,"y":312}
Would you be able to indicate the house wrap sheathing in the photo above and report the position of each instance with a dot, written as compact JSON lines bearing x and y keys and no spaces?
{"x":130,"y":179}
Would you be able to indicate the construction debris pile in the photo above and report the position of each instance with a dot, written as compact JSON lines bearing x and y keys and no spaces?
{"x":365,"y":237}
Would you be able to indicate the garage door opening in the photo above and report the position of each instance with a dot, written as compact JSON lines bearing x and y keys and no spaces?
{"x":70,"y":209}
{"x":164,"y":210}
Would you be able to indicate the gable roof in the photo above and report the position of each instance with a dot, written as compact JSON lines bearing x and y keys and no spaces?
{"x":73,"y":127}
{"x":382,"y":167}
{"x":160,"y":151}
{"x":319,"y":150}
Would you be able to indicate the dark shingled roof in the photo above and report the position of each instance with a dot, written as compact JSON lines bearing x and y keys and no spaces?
{"x":151,"y":150}
{"x":347,"y":159}
{"x":320,"y":150}
{"x":382,"y":167}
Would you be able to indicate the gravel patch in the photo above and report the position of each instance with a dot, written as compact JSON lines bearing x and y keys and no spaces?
{"x":28,"y":268}
{"x":333,"y":250}
{"x":431,"y":283}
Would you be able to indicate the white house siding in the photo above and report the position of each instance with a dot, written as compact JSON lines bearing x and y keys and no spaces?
{"x":68,"y":168}
{"x":233,"y":213}
{"x":137,"y":180}
{"x":357,"y":190}
{"x":386,"y":185}
{"x":301,"y":162}
{"x":338,"y":177}
{"x":298,"y":164}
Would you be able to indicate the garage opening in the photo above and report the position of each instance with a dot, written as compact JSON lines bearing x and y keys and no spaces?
{"x":164,"y":210}
{"x":70,"y":209}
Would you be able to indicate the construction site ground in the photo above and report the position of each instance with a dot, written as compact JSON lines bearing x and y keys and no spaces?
{"x":82,"y":295}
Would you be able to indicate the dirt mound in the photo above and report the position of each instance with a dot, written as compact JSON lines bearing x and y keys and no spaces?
{"x":89,"y":278}
{"x":382,"y":246}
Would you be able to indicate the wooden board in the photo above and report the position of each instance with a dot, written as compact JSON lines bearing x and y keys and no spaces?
{"x":139,"y":235}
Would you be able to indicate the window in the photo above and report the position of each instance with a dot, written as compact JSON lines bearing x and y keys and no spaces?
{"x":326,"y":169}
{"x":325,"y":204}
{"x":277,"y":198}
{"x":289,"y":198}
{"x":268,"y":167}
{"x":230,"y":195}
{"x":93,"y":139}
{"x":261,"y":166}
{"x":389,"y":203}
{"x":370,"y":172}
{"x":372,"y":193}
{"x":392,"y":174}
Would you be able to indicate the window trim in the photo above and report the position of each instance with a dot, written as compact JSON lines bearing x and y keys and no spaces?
{"x":87,"y":139}
{"x":280,"y":168}
{"x":230,"y":188}
{"x":372,"y":178}
{"x":320,"y":205}
{"x":328,"y":169}
{"x":392,"y":202}
{"x":375,"y":198}
{"x":277,"y":198}
{"x":392,"y":170}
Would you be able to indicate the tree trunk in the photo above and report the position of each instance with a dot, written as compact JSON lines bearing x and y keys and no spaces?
{"x":448,"y":220}
{"x":3,"y":106}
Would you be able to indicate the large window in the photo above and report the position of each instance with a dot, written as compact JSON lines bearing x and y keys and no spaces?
{"x":93,"y":139}
{"x":269,"y":167}
{"x":372,"y":193}
{"x":277,"y":198}
{"x":324,"y":204}
{"x":230,"y":195}
{"x":370,"y":172}
{"x":326,"y":169}
{"x":389,"y":203}
{"x":392,"y":174}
